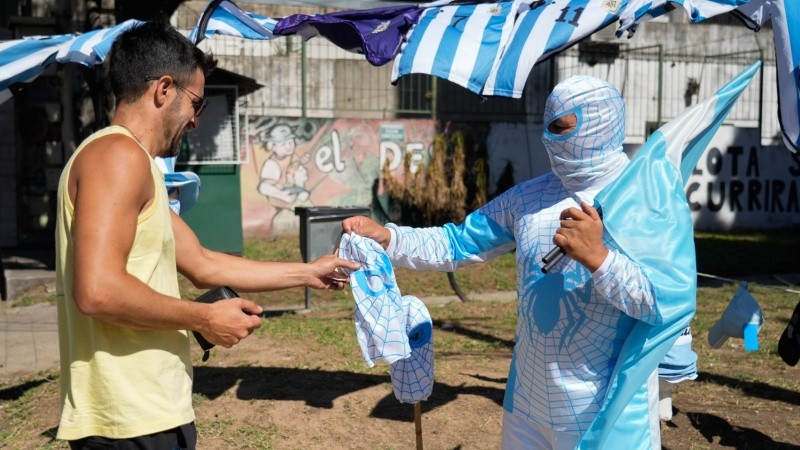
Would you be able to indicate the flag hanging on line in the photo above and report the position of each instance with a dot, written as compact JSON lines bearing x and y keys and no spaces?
{"x":92,"y":47}
{"x":638,"y":11}
{"x":22,"y":60}
{"x":225,"y":18}
{"x":375,"y":33}
{"x":490,"y":48}
{"x":456,"y":42}
{"x":785,"y":18}
{"x":647,"y":204}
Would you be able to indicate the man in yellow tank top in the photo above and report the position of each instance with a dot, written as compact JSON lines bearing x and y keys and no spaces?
{"x":126,"y":376}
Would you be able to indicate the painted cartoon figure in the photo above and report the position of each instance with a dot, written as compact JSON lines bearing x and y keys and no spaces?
{"x":296,"y":178}
{"x":275,"y":170}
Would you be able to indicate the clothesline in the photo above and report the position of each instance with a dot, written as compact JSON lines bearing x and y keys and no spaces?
{"x":731,"y":280}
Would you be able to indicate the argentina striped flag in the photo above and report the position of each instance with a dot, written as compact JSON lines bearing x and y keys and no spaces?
{"x":542,"y":28}
{"x":224,"y":17}
{"x":545,"y":27}
{"x":459,"y":43}
{"x":785,"y":18}
{"x":639,"y":11}
{"x":647,"y":204}
{"x":491,"y":48}
{"x":22,"y":60}
{"x":91,"y":48}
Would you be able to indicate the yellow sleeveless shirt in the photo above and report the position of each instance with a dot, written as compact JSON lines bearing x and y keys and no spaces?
{"x":118,"y":382}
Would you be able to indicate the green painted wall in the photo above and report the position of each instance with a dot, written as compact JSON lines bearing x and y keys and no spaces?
{"x":216,"y":218}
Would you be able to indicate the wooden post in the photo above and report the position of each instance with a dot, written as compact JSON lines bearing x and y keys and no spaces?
{"x":418,"y":424}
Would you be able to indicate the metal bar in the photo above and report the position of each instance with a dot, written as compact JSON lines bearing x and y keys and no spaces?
{"x":660,"y":84}
{"x":418,"y":424}
{"x":434,"y":95}
{"x":303,"y":85}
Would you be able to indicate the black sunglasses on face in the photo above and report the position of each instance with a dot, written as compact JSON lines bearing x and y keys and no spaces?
{"x":198,"y":103}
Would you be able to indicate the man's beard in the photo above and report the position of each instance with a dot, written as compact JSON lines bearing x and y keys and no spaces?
{"x":174,"y":141}
{"x":175,"y":148}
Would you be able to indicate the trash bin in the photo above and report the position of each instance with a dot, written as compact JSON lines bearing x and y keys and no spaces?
{"x":321,"y":229}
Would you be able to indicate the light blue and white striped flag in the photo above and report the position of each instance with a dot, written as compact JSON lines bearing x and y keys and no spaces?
{"x":647,"y":204}
{"x":542,"y":29}
{"x":22,"y":60}
{"x":224,"y":17}
{"x":459,"y":43}
{"x":92,"y":47}
{"x":545,"y":27}
{"x":639,"y":11}
{"x":785,"y":17}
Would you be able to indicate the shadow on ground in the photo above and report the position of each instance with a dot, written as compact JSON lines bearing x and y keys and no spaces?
{"x":12,"y":393}
{"x":712,"y":427}
{"x":752,"y":389}
{"x":319,"y":389}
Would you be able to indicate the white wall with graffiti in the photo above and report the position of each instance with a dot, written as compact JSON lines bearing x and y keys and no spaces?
{"x":738,"y":184}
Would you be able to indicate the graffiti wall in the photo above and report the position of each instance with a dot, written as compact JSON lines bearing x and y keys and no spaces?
{"x":320,"y":162}
{"x":738,"y":184}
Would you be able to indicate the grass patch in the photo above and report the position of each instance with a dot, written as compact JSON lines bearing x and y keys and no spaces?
{"x":34,"y":296}
{"x":334,"y":332}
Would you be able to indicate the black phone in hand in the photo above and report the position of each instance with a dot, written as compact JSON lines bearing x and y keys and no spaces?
{"x":216,"y":294}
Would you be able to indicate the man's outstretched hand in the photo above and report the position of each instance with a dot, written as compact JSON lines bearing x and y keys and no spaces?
{"x":328,"y":272}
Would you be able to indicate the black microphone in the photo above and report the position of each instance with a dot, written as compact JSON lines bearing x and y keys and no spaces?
{"x":552,"y":258}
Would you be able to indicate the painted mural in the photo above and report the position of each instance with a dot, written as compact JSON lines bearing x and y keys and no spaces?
{"x":738,"y":184}
{"x":321,"y":162}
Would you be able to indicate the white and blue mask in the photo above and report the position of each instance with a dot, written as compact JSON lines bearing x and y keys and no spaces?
{"x":590,"y":156}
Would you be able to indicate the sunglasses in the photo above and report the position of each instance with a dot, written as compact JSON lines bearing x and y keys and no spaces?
{"x":198,"y":103}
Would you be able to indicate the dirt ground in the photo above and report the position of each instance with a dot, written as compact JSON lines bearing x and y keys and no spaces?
{"x":299,"y":383}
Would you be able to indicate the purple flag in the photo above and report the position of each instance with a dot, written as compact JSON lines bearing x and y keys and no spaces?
{"x":376,"y":33}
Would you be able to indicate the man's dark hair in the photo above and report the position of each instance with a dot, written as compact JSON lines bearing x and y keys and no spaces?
{"x":151,"y":50}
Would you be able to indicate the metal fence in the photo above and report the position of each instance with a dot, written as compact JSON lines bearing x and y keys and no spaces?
{"x":658,"y":87}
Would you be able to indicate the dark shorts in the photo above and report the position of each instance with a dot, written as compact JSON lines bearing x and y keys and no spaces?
{"x":183,"y":437}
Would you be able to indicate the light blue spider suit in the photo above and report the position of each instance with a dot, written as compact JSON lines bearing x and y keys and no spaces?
{"x":572,"y":323}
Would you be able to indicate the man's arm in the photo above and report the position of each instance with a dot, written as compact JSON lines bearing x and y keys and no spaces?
{"x":107,"y":203}
{"x":207,"y":268}
{"x":478,"y":238}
